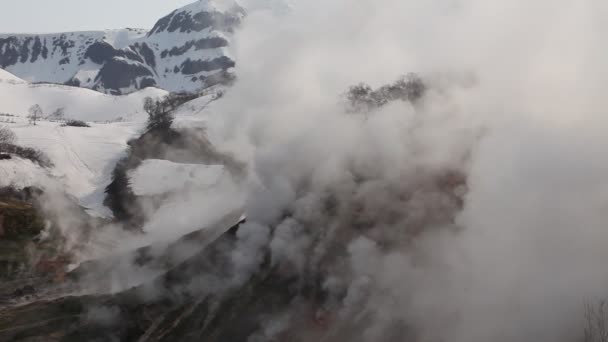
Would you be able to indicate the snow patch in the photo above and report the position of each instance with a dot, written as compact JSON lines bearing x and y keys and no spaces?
{"x":79,"y":103}
{"x":156,"y":177}
{"x":7,"y":76}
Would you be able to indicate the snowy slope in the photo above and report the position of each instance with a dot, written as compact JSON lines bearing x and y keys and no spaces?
{"x":79,"y":103}
{"x":185,"y":51}
{"x":193,"y":195}
{"x":7,"y":77}
{"x":83,"y":157}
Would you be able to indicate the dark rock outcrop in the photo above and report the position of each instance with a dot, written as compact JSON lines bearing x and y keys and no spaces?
{"x":117,"y":74}
{"x":187,"y":22}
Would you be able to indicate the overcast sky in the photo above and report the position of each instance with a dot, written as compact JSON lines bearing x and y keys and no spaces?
{"x":72,"y":15}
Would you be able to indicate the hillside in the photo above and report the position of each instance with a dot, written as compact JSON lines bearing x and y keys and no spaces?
{"x":83,"y":157}
{"x":78,"y":103}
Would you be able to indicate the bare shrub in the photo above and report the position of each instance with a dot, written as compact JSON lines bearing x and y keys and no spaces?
{"x":29,"y":153}
{"x":35,"y":113}
{"x":159,"y":114}
{"x":57,"y":115}
{"x":76,"y":123}
{"x":362,"y":97}
{"x":160,"y":111}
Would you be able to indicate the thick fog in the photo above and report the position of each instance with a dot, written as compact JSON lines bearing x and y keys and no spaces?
{"x":475,"y":213}
{"x":514,"y":103}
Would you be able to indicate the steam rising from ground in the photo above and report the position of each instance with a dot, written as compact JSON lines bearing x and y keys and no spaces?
{"x":515,"y":104}
{"x":476,"y":214}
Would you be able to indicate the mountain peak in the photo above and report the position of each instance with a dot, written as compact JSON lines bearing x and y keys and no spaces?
{"x":201,"y":15}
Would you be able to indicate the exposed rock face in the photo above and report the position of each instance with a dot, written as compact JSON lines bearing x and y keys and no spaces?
{"x":19,"y":224}
{"x":174,"y":313}
{"x":26,"y":259}
{"x":185,"y":51}
{"x":33,"y":253}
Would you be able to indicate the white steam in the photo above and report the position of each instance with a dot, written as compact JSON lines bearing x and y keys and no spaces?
{"x":528,"y":132}
{"x":476,"y":214}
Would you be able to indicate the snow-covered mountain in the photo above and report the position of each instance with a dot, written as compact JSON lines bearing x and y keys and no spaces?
{"x":185,"y":51}
{"x":83,"y":158}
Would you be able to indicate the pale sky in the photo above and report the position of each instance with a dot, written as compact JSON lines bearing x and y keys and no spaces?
{"x":77,"y":15}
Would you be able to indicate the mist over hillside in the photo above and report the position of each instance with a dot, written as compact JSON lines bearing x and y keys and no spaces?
{"x":374,"y":171}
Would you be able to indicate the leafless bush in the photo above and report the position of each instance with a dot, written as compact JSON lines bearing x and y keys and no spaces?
{"x":29,"y":153}
{"x":57,"y":115}
{"x":362,"y":97}
{"x":160,"y":111}
{"x":76,"y":123}
{"x":35,"y":113}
